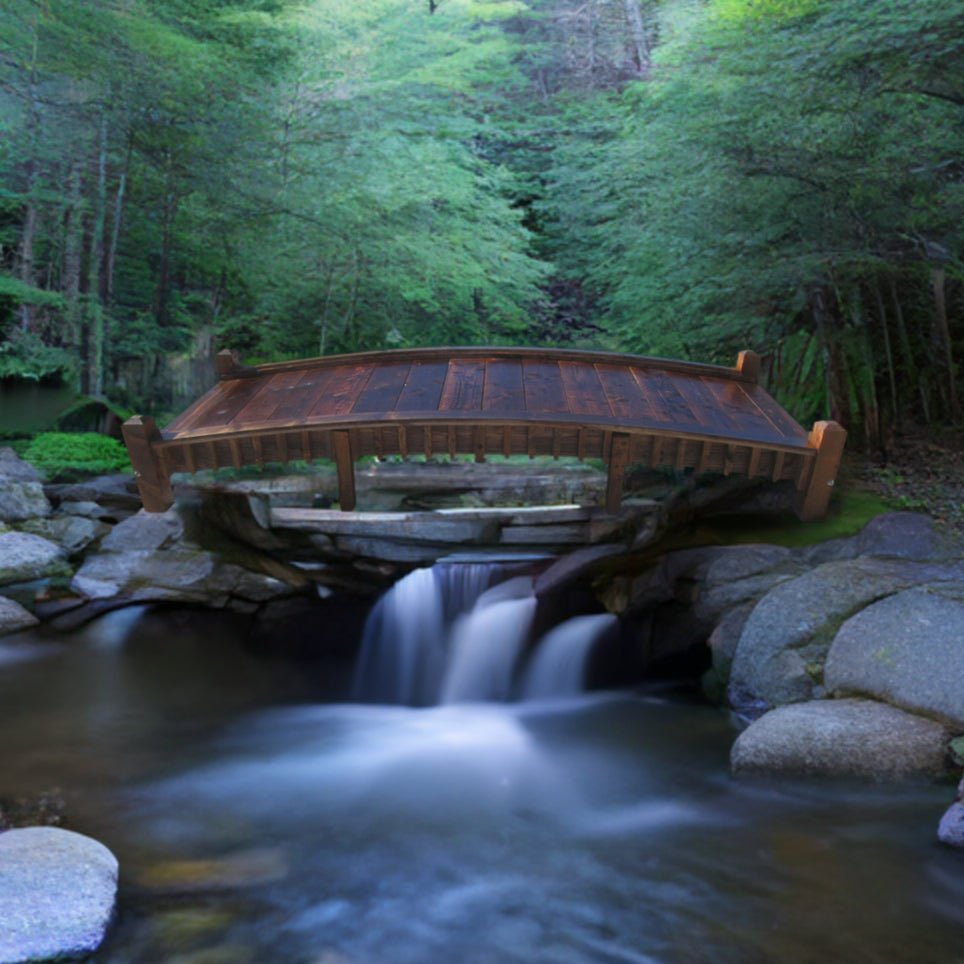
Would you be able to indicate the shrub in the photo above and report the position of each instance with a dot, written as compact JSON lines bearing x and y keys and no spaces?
{"x":67,"y":456}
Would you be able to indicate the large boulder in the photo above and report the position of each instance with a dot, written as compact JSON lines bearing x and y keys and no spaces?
{"x":837,"y":738}
{"x":779,"y":658}
{"x":907,"y":649}
{"x":24,"y":556}
{"x":57,"y":894}
{"x":13,"y":617}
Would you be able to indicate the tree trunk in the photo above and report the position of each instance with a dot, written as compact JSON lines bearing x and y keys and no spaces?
{"x":942,"y":339}
{"x":888,"y":355}
{"x":116,"y":229}
{"x":25,"y":258}
{"x":835,"y":363}
{"x":641,"y":48}
{"x":95,"y":308}
{"x":73,"y":251}
{"x":162,"y":294}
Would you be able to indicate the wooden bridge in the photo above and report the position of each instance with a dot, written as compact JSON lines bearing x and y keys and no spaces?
{"x":481,"y":401}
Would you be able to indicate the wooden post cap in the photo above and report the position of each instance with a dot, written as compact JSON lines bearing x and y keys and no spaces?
{"x":748,"y":365}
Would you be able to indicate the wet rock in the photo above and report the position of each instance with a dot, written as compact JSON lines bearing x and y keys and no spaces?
{"x":15,"y":469}
{"x":24,"y":556}
{"x":13,"y":617}
{"x":57,"y":893}
{"x":907,"y":649}
{"x":87,"y":510}
{"x":116,"y":492}
{"x":779,"y":658}
{"x":72,"y":533}
{"x":837,"y":738}
{"x":181,"y":574}
{"x":951,"y":828}
{"x":249,"y":868}
{"x":725,"y":637}
{"x":145,"y":530}
{"x":22,"y":500}
{"x":573,"y":567}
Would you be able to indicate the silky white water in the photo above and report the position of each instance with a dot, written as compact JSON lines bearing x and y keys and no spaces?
{"x":440,"y":636}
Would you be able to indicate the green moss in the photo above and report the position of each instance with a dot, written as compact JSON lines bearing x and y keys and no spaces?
{"x":846,"y":518}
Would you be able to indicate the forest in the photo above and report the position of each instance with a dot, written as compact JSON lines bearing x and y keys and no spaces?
{"x":669,"y":177}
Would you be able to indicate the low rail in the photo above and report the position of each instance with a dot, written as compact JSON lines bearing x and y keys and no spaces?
{"x":623,"y":409}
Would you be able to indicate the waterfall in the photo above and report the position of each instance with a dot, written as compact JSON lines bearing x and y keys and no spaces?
{"x":440,"y":635}
{"x":404,"y":646}
{"x":558,"y":667}
{"x":485,"y":649}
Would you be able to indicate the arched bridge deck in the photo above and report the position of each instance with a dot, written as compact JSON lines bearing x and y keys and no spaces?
{"x":482,"y":401}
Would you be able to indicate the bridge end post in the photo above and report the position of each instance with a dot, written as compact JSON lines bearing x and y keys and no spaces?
{"x":748,"y":365}
{"x":618,"y":460}
{"x":227,"y":363}
{"x":153,"y":482}
{"x":828,"y":439}
{"x":345,"y":464}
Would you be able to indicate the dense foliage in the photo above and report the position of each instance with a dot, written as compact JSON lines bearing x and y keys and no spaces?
{"x":65,"y":456}
{"x":292,"y":177}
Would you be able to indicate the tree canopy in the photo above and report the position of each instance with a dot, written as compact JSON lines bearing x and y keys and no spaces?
{"x":663,"y":176}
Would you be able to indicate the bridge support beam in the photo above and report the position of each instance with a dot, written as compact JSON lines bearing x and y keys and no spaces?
{"x":153,"y":483}
{"x":345,"y":464}
{"x":828,"y":439}
{"x":618,"y":460}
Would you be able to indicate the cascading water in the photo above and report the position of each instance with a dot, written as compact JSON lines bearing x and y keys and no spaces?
{"x":558,"y":667}
{"x":441,"y":636}
{"x":404,"y":645}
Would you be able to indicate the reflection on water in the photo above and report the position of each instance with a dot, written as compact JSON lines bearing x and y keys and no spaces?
{"x":256,"y":818}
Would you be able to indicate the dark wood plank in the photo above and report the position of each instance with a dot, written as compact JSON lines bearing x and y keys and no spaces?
{"x":623,"y":393}
{"x":422,"y":391}
{"x":785,"y":425}
{"x":503,"y":390}
{"x":703,"y":404}
{"x":300,"y":398}
{"x":383,"y":388}
{"x":543,"y":387}
{"x":585,"y":394}
{"x":225,"y":404}
{"x":462,"y":390}
{"x":262,"y":406}
{"x":341,"y":390}
{"x":669,"y":404}
{"x":751,"y":423}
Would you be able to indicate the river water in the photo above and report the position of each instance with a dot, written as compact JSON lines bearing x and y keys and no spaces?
{"x":260,"y":817}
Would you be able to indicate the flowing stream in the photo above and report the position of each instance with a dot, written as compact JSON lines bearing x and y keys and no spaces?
{"x":260,"y":817}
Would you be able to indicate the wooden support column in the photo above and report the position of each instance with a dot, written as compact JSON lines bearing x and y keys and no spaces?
{"x":828,"y":439}
{"x":748,"y":365}
{"x":618,"y":460}
{"x":345,"y":463}
{"x":153,"y":483}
